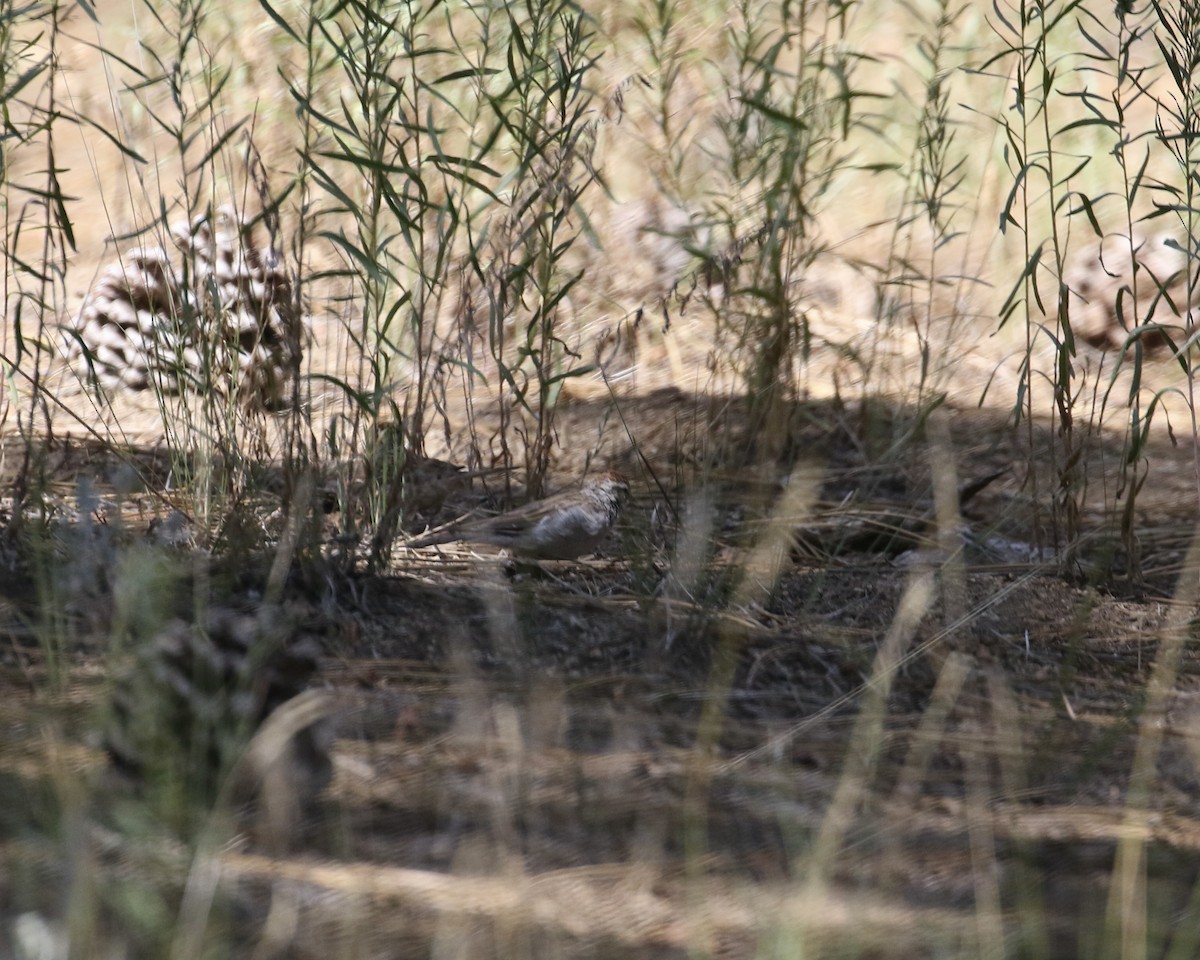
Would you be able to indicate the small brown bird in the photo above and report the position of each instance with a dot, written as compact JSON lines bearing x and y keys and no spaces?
{"x":562,"y":527}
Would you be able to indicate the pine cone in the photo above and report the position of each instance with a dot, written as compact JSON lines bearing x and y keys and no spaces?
{"x":195,"y":695}
{"x":225,"y":309}
{"x":1100,"y":281}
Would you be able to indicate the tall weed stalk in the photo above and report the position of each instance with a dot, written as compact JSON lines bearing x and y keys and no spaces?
{"x":1063,"y":186}
{"x":544,"y":115}
{"x":1176,"y":31}
{"x":37,"y":231}
{"x":439,"y":161}
{"x":793,"y":103}
{"x":1039,"y":169}
{"x":921,"y":268}
{"x":1111,"y":46}
{"x":180,"y":84}
{"x":360,"y":173}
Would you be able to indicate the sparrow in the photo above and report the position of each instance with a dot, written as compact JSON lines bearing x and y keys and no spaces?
{"x":562,"y":527}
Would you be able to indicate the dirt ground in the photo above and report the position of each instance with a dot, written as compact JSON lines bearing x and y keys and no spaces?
{"x":599,"y":759}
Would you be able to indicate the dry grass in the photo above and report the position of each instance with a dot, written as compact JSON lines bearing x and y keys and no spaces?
{"x":749,"y":256}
